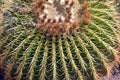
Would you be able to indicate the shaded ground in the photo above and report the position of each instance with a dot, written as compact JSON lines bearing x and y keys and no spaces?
{"x":1,"y":75}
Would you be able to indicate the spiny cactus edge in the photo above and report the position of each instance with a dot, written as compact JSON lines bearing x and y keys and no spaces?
{"x":87,"y":54}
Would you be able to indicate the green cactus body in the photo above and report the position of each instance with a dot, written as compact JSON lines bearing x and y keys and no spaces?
{"x":86,"y":54}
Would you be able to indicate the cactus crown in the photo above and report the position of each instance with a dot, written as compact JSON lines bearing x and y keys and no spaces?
{"x":88,"y":52}
{"x":58,"y":17}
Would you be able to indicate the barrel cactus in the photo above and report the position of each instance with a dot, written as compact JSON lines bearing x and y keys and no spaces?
{"x":46,"y":40}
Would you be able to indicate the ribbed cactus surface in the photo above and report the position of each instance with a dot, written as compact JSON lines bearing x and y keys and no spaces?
{"x":86,"y":54}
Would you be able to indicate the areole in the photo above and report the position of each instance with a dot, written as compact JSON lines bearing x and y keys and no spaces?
{"x":58,"y":17}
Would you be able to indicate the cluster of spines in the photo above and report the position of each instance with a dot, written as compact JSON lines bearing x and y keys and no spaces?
{"x":85,"y":13}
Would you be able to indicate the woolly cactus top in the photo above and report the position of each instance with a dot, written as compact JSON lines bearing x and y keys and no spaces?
{"x":58,"y":17}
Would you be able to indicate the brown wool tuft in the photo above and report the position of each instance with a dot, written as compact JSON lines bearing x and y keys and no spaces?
{"x":59,"y":17}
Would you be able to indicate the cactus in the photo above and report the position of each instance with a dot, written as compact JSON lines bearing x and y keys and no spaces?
{"x":88,"y":52}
